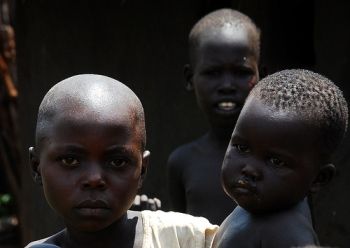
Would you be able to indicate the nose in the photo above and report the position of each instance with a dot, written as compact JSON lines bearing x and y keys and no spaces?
{"x":251,"y":173}
{"x":94,"y":178}
{"x":227,"y":85}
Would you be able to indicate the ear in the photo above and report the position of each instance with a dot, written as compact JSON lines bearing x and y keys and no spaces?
{"x":145,"y":161}
{"x":34,"y":163}
{"x":188,"y":73}
{"x":325,"y":175}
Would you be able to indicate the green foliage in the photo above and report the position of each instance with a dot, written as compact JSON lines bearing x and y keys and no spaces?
{"x":6,"y":205}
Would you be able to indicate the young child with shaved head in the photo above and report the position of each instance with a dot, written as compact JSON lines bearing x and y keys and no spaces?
{"x":90,"y":158}
{"x":224,"y":49}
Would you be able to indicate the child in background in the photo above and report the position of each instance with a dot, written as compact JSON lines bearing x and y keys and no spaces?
{"x":224,"y":49}
{"x":280,"y":151}
{"x":90,"y":158}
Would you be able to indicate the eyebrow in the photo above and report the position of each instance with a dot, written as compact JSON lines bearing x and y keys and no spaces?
{"x":71,"y":148}
{"x":125,"y":150}
{"x":119,"y":149}
{"x":237,"y":137}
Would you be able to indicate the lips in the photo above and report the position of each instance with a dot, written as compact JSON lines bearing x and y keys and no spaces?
{"x":244,"y":186}
{"x":93,"y":204}
{"x":92,"y":209}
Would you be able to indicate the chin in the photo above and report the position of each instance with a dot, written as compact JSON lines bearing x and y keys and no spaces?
{"x":224,"y":121}
{"x":255,"y":211}
{"x":263,"y":210}
{"x":92,"y":227}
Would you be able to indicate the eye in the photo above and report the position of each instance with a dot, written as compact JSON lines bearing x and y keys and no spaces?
{"x":212,"y":72}
{"x":244,"y":72}
{"x":277,"y":162}
{"x":118,"y":162}
{"x":70,"y":161}
{"x":242,"y":148}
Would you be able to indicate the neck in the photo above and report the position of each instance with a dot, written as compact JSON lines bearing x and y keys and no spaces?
{"x":220,"y":136}
{"x":121,"y":234}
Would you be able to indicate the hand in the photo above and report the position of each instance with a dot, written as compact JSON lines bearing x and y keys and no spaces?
{"x":144,"y":203}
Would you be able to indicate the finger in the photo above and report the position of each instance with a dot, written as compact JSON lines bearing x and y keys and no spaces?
{"x":158,"y":203}
{"x":136,"y":204}
{"x":137,"y":200}
{"x":152,"y":205}
{"x":144,"y":202}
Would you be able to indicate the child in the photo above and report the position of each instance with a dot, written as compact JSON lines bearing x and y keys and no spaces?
{"x":280,"y":151}
{"x":90,"y":158}
{"x":224,"y":54}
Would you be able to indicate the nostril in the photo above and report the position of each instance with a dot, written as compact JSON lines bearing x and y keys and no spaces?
{"x":229,"y":86}
{"x":94,"y":183}
{"x":250,"y":173}
{"x":253,"y":178}
{"x":227,"y":90}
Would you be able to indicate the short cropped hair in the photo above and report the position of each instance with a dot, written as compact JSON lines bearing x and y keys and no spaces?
{"x":218,"y":19}
{"x":74,"y":89}
{"x":312,"y":97}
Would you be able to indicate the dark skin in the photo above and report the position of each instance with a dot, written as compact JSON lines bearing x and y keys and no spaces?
{"x":272,"y":163}
{"x":91,"y":164}
{"x":223,"y":70}
{"x":282,"y":229}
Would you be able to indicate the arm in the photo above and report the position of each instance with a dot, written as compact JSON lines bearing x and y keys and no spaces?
{"x":176,"y":187}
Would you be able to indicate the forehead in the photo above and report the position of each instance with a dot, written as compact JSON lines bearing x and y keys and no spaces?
{"x":264,"y":126}
{"x":226,"y":43}
{"x":239,"y":36}
{"x":81,"y":118}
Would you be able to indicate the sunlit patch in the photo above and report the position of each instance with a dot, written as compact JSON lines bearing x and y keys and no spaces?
{"x":96,"y":93}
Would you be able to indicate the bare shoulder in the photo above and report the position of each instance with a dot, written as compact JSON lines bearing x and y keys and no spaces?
{"x":283,"y":229}
{"x":238,"y":230}
{"x":288,"y":228}
{"x":184,"y":154}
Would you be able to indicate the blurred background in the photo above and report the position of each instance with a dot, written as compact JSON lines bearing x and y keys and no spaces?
{"x":144,"y":45}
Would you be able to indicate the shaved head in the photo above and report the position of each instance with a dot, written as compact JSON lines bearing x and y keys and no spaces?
{"x":89,"y":94}
{"x":224,"y":20}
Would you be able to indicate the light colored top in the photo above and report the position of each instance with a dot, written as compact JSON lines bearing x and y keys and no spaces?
{"x":169,"y":230}
{"x":176,"y":230}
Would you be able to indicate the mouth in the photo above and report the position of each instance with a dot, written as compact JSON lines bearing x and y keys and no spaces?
{"x":93,"y":204}
{"x":227,"y":106}
{"x":244,"y":187}
{"x":92,"y":208}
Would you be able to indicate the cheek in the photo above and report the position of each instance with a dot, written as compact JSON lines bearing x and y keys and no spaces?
{"x":58,"y":189}
{"x":229,"y":170}
{"x":289,"y":188}
{"x":56,"y":196}
{"x":228,"y":177}
{"x":201,"y":92}
{"x":123,"y":198}
{"x":252,"y":81}
{"x":203,"y":100}
{"x":125,"y":188}
{"x":304,"y":183}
